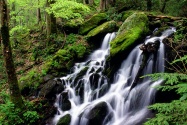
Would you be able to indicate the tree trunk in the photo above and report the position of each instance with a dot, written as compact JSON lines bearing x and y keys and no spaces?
{"x":105,"y":4}
{"x":7,"y":54}
{"x":38,"y":14}
{"x":102,"y":5}
{"x":50,"y":22}
{"x":91,"y":2}
{"x":149,"y":5}
{"x":164,"y":6}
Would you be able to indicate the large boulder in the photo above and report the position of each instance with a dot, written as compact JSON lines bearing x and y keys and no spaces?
{"x":92,"y":22}
{"x":129,"y":34}
{"x":97,"y":114}
{"x":131,"y":30}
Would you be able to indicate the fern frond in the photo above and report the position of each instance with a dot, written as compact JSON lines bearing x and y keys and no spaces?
{"x":170,"y":78}
{"x":182,"y":59}
{"x":173,"y":113}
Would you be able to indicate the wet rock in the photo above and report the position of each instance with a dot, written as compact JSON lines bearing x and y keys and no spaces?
{"x":47,"y":77}
{"x":66,"y":104}
{"x":150,"y":47}
{"x":81,"y":73}
{"x":79,"y":88}
{"x":97,"y":114}
{"x":65,"y":120}
{"x":50,"y":89}
{"x":94,"y":80}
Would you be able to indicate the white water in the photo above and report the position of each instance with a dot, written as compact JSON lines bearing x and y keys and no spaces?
{"x":125,"y":105}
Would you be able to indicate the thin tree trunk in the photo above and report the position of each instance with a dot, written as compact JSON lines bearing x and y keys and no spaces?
{"x":91,"y":2}
{"x":164,"y":6}
{"x":149,"y":5}
{"x":102,"y":5}
{"x":38,"y":16}
{"x":50,"y":22}
{"x":7,"y":54}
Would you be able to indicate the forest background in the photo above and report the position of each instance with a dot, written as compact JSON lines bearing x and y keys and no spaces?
{"x":37,"y":29}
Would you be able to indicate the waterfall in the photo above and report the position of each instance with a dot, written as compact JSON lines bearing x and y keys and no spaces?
{"x":90,"y":99}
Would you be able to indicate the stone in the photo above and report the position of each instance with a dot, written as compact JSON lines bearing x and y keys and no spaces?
{"x":97,"y":114}
{"x":65,"y":120}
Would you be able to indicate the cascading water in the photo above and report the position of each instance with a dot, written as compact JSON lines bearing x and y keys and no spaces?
{"x":90,"y":99}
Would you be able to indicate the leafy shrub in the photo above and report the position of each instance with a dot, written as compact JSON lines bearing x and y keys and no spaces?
{"x":68,"y":9}
{"x":18,"y":32}
{"x":71,"y":38}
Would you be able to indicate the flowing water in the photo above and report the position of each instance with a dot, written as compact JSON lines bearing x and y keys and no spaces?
{"x":88,"y":92}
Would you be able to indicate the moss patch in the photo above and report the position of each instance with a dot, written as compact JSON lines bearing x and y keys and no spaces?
{"x":91,"y":23}
{"x":126,"y":14}
{"x":65,"y":120}
{"x":103,"y":28}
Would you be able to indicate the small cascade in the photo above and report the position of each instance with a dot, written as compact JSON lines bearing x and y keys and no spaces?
{"x":89,"y":98}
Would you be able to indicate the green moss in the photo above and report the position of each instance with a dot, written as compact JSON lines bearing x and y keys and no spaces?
{"x":91,"y":23}
{"x":103,"y":28}
{"x":79,"y":50}
{"x":73,"y":23}
{"x":131,"y":30}
{"x":64,"y":59}
{"x":30,"y":80}
{"x":65,"y":120}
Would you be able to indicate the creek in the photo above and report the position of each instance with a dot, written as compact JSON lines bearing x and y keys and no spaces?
{"x":89,"y":98}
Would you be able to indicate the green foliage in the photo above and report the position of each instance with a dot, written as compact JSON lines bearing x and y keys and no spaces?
{"x":113,"y":15}
{"x":3,"y":76}
{"x":68,"y":9}
{"x":173,"y":113}
{"x":78,"y":49}
{"x":19,"y":30}
{"x":71,"y":38}
{"x":15,"y":116}
{"x":30,"y":80}
{"x":176,"y":8}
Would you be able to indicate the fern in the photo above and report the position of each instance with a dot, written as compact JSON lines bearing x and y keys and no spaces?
{"x":173,"y":113}
{"x":184,"y":59}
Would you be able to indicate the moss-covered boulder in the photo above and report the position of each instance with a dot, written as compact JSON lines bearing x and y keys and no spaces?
{"x":72,"y":26}
{"x":92,"y":22}
{"x":131,"y":30}
{"x":97,"y":114}
{"x":129,"y":34}
{"x":103,"y":29}
{"x":65,"y":120}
